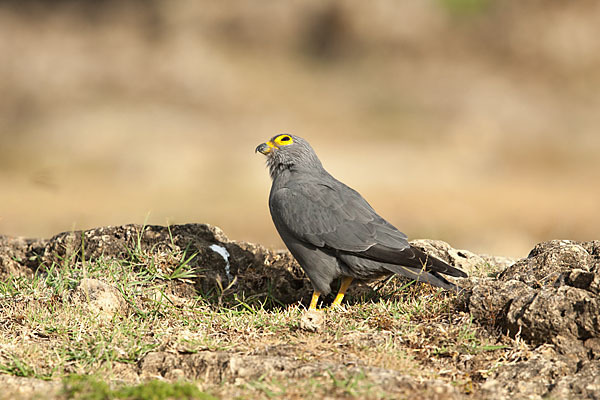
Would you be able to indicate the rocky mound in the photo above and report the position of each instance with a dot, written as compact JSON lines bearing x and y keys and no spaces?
{"x":218,"y":260}
{"x":548,"y":301}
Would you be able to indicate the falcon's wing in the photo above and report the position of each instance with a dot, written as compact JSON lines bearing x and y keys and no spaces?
{"x":334,"y":216}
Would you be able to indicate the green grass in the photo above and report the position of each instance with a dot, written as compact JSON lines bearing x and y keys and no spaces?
{"x":17,"y":367}
{"x":91,"y":388}
{"x":349,"y":386}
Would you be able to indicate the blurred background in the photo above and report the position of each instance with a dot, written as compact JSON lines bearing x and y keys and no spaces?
{"x":471,"y":121}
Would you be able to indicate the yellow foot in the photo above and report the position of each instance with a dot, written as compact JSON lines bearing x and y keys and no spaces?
{"x":340,"y":296}
{"x":314,"y":300}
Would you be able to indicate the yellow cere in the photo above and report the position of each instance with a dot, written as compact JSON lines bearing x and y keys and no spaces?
{"x":283,"y":140}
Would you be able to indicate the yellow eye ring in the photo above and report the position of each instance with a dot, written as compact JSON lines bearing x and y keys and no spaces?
{"x":283,"y":140}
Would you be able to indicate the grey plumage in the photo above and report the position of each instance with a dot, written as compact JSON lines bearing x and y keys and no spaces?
{"x":330,"y":228}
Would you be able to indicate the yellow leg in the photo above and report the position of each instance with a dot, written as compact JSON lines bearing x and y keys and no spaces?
{"x":343,"y":287}
{"x":313,"y":302}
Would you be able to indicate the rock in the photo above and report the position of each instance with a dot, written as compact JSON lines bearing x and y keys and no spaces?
{"x":490,"y":301}
{"x":222,"y":367}
{"x":550,"y":261}
{"x":16,"y":253}
{"x":16,"y":387}
{"x":550,"y":299}
{"x":545,"y":376}
{"x":250,"y":269}
{"x":99,"y":298}
{"x":312,"y":320}
{"x":583,"y":384}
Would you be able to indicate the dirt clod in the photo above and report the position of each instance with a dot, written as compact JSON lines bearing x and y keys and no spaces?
{"x":99,"y":298}
{"x":312,"y":321}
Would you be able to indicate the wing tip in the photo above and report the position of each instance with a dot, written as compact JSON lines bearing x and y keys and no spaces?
{"x":455,"y":272}
{"x":430,"y":277}
{"x":440,"y":266}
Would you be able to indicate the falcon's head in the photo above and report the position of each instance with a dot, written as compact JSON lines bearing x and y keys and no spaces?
{"x":285,"y":151}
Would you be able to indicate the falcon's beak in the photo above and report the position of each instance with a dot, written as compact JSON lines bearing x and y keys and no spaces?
{"x":265,"y":148}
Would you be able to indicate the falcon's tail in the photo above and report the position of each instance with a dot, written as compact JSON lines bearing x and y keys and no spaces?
{"x":412,"y":258}
{"x":421,"y":275}
{"x":431,"y":263}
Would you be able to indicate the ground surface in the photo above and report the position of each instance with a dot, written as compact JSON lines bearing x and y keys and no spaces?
{"x":138,"y":307}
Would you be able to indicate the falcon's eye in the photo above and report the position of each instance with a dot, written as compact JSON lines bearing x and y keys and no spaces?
{"x":283,"y":140}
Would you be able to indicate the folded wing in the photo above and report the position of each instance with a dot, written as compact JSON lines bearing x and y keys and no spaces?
{"x":332,"y":215}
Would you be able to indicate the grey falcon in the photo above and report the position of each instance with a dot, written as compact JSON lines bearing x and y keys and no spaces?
{"x":332,"y":231}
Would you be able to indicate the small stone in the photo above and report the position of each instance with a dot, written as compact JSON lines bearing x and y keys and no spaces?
{"x":312,"y":321}
{"x":100,"y":298}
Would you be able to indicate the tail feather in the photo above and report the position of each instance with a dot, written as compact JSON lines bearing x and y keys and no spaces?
{"x":411,"y":257}
{"x":435,"y":264}
{"x":433,"y":278}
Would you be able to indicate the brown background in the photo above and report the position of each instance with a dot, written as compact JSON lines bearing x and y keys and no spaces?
{"x":475,"y":122}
